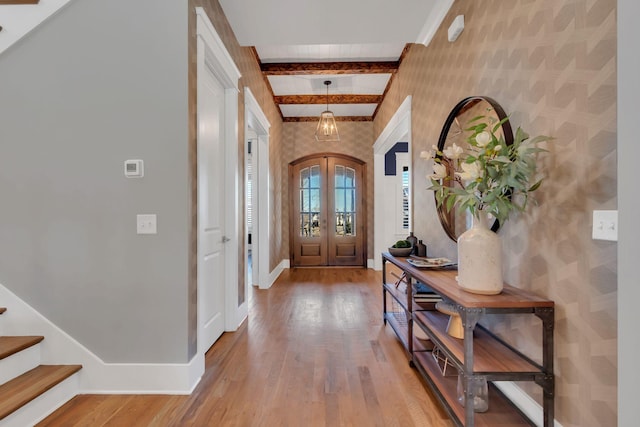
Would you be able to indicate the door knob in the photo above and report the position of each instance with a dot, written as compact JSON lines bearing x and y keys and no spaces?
{"x":225,"y":239}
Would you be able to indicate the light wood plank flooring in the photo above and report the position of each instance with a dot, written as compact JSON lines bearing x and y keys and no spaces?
{"x":314,"y":352}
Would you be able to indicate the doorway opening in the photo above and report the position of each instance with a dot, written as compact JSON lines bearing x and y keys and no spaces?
{"x":250,"y":167}
{"x":258,"y":198}
{"x":393,"y":220}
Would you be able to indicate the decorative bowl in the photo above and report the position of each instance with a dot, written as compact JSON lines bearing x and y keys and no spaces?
{"x":401,"y":251}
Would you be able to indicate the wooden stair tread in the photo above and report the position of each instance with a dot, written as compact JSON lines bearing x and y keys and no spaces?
{"x":19,"y":1}
{"x":21,"y":390}
{"x":12,"y":345}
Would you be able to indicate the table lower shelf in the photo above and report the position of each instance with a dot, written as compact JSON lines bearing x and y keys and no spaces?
{"x":501,"y":411}
{"x":398,"y":322}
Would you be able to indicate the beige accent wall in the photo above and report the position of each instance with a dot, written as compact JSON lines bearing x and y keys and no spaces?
{"x":552,"y":66}
{"x":356,"y":139}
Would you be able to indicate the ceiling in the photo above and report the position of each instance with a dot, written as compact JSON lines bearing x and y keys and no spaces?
{"x":356,"y":44}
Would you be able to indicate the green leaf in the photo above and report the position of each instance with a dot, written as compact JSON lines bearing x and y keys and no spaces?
{"x":501,"y":159}
{"x":470,"y":159}
{"x":535,"y":186}
{"x":451,"y":200}
{"x":476,"y":118}
{"x":499,"y":124}
{"x":541,"y":138}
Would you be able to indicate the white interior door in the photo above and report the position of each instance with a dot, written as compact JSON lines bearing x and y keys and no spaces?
{"x":211,"y":192}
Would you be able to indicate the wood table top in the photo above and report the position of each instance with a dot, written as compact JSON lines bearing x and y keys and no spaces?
{"x":443,"y":281}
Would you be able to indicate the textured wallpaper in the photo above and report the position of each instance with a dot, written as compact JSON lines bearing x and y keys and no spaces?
{"x":299,"y":141}
{"x":552,"y":66}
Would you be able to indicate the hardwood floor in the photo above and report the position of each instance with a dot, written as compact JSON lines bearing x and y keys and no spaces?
{"x":313,"y":352}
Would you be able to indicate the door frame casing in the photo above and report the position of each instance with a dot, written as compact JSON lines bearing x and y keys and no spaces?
{"x":362,"y":219}
{"x":398,"y":128}
{"x":212,"y":54}
{"x":255,"y":119}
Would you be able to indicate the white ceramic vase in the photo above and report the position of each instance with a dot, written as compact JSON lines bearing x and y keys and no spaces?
{"x":480,"y":258}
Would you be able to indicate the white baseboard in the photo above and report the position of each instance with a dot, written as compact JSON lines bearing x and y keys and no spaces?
{"x":371,"y":263}
{"x":142,"y":378}
{"x":96,"y":376}
{"x":243,"y":313}
{"x":524,"y":402}
{"x":273,"y":276}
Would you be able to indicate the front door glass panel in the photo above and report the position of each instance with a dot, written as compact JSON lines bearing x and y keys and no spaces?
{"x":345,"y":196}
{"x":310,"y":201}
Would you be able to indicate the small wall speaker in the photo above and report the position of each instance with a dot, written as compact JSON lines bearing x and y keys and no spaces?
{"x":456,"y":28}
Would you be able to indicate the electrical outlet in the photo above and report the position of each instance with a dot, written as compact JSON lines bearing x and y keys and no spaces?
{"x":146,"y":224}
{"x":605,"y":225}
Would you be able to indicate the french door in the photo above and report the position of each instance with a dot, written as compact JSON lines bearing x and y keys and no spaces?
{"x":327,"y":211}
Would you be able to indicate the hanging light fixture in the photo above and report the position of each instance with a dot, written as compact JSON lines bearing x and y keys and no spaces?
{"x":327,"y":129}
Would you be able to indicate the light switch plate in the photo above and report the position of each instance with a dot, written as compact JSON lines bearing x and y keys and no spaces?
{"x":605,"y":225}
{"x":147,"y":224}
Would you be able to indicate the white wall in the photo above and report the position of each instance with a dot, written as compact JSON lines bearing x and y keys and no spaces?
{"x":628,"y":208}
{"x":98,"y":83}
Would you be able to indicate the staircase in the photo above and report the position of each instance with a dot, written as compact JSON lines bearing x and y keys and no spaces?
{"x":29,"y":390}
{"x":19,"y":17}
{"x":5,"y":2}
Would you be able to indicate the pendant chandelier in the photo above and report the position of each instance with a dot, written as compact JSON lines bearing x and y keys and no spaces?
{"x":327,"y":129}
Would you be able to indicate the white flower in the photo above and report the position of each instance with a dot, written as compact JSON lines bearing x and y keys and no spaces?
{"x":483,"y":138}
{"x":439,"y":171}
{"x":497,"y":148}
{"x":427,"y":154}
{"x":453,"y":152}
{"x":471,"y":171}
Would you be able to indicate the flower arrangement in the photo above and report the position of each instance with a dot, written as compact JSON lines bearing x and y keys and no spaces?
{"x":488,"y":173}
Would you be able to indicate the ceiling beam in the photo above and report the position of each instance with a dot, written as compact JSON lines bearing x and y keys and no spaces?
{"x":322,"y":99}
{"x":338,"y":119}
{"x":301,"y":68}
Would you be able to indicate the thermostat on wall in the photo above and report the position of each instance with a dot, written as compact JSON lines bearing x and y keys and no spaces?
{"x":133,"y":168}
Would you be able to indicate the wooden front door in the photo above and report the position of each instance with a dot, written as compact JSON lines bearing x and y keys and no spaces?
{"x":327,"y":211}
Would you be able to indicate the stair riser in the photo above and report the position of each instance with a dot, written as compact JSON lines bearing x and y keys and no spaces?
{"x":19,"y":363}
{"x":39,"y":408}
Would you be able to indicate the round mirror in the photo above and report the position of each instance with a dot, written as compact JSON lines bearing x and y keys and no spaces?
{"x":457,"y":221}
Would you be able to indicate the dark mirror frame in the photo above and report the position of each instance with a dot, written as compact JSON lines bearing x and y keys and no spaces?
{"x":508,"y":138}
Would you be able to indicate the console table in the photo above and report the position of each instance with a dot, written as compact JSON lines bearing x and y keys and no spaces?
{"x":480,"y":355}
